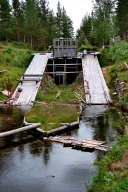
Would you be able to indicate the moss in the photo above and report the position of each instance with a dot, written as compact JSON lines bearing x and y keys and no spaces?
{"x":51,"y":115}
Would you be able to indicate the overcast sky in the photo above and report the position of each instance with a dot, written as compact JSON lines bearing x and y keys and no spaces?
{"x":76,"y":9}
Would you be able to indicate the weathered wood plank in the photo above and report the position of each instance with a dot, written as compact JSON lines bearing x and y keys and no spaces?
{"x":96,"y":90}
{"x":29,"y":87}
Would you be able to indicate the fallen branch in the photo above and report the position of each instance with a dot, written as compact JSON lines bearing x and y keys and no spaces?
{"x":126,"y":64}
{"x":80,"y":97}
{"x":58,"y":94}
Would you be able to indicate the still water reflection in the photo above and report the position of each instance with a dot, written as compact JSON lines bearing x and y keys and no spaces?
{"x":28,"y":164}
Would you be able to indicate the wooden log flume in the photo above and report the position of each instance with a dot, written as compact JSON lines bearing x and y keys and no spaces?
{"x":7,"y":133}
{"x":85,"y":145}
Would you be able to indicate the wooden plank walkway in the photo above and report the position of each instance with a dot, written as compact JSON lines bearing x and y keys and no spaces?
{"x":30,"y":84}
{"x":85,"y":145}
{"x":96,"y":90}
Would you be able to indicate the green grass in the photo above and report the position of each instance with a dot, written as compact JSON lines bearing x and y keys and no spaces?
{"x":15,"y":44}
{"x":48,"y":92}
{"x":113,"y":169}
{"x":120,"y":71}
{"x":50,"y":95}
{"x":55,"y":110}
{"x":14,"y":61}
{"x":51,"y":115}
{"x":3,"y":97}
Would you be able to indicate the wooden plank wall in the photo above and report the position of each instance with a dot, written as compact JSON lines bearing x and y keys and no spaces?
{"x":30,"y":88}
{"x":96,"y":90}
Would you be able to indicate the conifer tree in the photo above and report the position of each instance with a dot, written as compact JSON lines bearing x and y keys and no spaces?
{"x":103,"y":27}
{"x":16,"y":15}
{"x":122,"y":18}
{"x":5,"y":20}
{"x":32,"y":21}
{"x":59,"y":19}
{"x":52,"y":27}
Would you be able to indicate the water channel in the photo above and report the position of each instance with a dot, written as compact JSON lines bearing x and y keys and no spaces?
{"x":28,"y":164}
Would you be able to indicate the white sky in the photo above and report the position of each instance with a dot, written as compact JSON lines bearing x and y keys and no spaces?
{"x":76,"y":9}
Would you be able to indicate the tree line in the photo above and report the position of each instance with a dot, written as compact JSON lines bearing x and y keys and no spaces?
{"x":33,"y":22}
{"x":108,"y":20}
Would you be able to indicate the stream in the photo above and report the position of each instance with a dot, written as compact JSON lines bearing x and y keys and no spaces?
{"x":28,"y":164}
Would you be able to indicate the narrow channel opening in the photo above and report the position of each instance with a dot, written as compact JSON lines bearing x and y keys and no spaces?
{"x":64,"y":70}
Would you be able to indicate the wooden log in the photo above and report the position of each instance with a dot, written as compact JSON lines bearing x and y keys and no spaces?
{"x":62,"y":128}
{"x":7,"y":133}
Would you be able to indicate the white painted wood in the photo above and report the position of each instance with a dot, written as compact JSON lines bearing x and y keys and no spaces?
{"x":96,"y":90}
{"x":30,"y":88}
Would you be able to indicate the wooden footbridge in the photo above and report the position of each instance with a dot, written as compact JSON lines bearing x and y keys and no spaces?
{"x":63,"y":63}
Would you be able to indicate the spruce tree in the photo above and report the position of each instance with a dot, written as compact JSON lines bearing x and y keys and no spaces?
{"x":5,"y":20}
{"x":59,"y":19}
{"x":122,"y":18}
{"x":32,"y":21}
{"x":16,"y":15}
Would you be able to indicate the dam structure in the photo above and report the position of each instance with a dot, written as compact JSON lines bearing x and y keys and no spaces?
{"x":64,"y":64}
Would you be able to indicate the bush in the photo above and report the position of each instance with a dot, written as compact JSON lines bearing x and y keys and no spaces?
{"x":104,"y":59}
{"x":9,"y":49}
{"x":124,"y":101}
{"x":118,"y":51}
{"x":88,"y":48}
{"x":22,"y":58}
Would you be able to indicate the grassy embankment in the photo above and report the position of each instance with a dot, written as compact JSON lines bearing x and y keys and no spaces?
{"x":113,"y":168}
{"x":55,"y":105}
{"x":14,"y":61}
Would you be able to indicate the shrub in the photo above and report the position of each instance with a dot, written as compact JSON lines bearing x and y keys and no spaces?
{"x":22,"y":58}
{"x":88,"y":48}
{"x":104,"y":59}
{"x":9,"y":49}
{"x":118,"y":51}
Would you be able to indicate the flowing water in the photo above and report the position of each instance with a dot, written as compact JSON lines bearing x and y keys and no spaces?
{"x":28,"y":164}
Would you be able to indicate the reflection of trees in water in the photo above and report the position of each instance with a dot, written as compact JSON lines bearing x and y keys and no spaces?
{"x":104,"y":129}
{"x":102,"y":123}
{"x":10,"y":118}
{"x":39,"y":148}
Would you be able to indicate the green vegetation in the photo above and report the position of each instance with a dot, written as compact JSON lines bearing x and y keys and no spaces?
{"x":56,"y":104}
{"x":113,"y":168}
{"x":14,"y":61}
{"x":51,"y":115}
{"x":120,"y":71}
{"x":89,"y":48}
{"x":49,"y":91}
{"x":15,"y":44}
{"x":34,"y":22}
{"x":114,"y":53}
{"x":113,"y":175}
